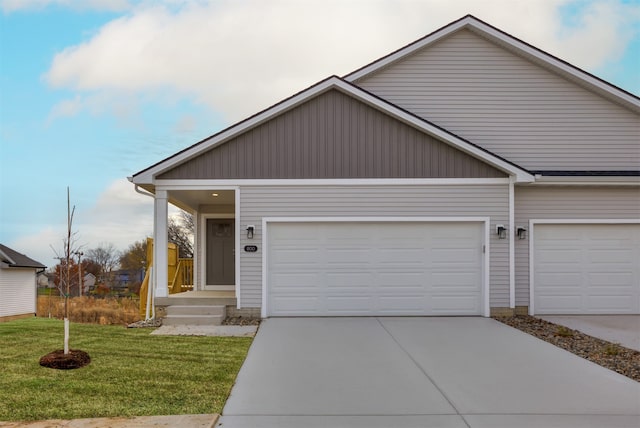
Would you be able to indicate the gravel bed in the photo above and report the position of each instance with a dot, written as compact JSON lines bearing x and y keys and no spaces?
{"x":609,"y":355}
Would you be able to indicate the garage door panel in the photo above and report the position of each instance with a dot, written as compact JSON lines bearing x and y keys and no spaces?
{"x":609,"y":304}
{"x":346,"y":280}
{"x":402,"y":269}
{"x":560,"y":303}
{"x":462,"y":304}
{"x":622,"y":280}
{"x":594,"y":271}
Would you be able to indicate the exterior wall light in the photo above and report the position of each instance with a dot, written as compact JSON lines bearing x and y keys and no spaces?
{"x":501,"y":231}
{"x":250,"y":229}
{"x":521,"y":232}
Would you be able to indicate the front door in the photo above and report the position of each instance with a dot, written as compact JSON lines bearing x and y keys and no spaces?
{"x":221,"y":266}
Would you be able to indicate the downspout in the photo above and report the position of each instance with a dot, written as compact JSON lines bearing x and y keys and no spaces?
{"x":511,"y":234}
{"x":150,"y":311}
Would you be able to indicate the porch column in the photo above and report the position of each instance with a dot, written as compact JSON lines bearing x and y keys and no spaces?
{"x":197,"y":284}
{"x":160,"y":243}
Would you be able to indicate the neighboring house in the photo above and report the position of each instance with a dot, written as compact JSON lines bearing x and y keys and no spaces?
{"x":18,"y":284}
{"x":468,"y":173}
{"x":122,"y":279}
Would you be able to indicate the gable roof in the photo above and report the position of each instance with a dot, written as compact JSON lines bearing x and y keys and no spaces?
{"x":15,"y":259}
{"x":149,"y":175}
{"x":513,"y":44}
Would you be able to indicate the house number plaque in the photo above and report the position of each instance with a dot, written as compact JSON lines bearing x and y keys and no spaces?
{"x":251,"y":248}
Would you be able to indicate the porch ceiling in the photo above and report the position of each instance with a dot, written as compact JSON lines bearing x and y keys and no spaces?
{"x":190,"y":200}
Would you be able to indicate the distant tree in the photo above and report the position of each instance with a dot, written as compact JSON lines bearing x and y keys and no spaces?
{"x":135,"y":256}
{"x":89,"y":266}
{"x":180,"y":230}
{"x":106,"y":256}
{"x":59,"y":277}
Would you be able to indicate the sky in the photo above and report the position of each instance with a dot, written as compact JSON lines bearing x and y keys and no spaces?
{"x":93,"y":91}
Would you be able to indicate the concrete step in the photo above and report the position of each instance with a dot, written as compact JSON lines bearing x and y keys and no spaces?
{"x":195,"y":310}
{"x":195,"y":301}
{"x":193,"y":320}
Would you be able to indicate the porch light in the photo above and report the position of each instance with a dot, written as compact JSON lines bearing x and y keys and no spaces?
{"x":250,"y":229}
{"x":501,"y":231}
{"x":215,"y":195}
{"x":521,"y":232}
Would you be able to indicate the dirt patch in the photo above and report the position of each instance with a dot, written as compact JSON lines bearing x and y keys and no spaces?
{"x":58,"y":360}
{"x":609,"y":355}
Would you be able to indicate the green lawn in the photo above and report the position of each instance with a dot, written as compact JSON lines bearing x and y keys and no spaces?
{"x":131,"y":373}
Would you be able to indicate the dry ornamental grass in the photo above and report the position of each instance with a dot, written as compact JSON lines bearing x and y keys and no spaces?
{"x":104,"y":311}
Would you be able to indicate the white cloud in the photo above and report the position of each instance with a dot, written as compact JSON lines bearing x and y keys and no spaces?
{"x":66,"y":108}
{"x":9,"y":6}
{"x":237,"y":57}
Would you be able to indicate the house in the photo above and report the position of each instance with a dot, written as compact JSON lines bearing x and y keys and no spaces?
{"x":18,"y":284}
{"x":467,"y":173}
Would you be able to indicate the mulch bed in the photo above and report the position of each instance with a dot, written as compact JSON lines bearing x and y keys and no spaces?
{"x":609,"y":355}
{"x":58,"y":360}
{"x":241,"y":321}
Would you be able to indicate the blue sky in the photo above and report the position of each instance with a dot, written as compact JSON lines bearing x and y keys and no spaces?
{"x":92,"y":91}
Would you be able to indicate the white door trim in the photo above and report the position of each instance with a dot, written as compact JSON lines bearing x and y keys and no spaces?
{"x":533,"y":222}
{"x":486,"y":256}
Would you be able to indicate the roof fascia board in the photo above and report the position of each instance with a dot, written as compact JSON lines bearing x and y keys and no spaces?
{"x":334,"y":82}
{"x":181,"y":184}
{"x":491,"y":32}
{"x":586,"y":181}
{"x":6,"y":257}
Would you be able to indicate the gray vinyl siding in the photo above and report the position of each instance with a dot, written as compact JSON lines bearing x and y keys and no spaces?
{"x":367,"y":201}
{"x":511,"y":106}
{"x":550,"y":202}
{"x":332,"y":136}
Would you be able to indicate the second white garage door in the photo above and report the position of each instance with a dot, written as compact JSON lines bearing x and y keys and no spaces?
{"x":586,"y":269}
{"x":347,"y":269}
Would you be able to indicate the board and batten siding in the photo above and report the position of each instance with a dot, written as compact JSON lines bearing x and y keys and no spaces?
{"x":510,"y":106}
{"x":17,"y":291}
{"x":332,"y":136}
{"x":373,"y":201}
{"x":570,"y":202}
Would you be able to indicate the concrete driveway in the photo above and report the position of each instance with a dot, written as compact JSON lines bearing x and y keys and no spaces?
{"x":420,"y":372}
{"x":622,"y":329}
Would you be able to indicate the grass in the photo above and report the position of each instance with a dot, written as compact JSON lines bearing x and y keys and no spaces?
{"x":131,"y":373}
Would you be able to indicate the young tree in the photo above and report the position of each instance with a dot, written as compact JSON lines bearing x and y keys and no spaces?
{"x":65,"y":275}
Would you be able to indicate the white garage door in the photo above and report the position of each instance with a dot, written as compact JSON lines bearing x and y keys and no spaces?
{"x":587,"y":269}
{"x":342,"y":269}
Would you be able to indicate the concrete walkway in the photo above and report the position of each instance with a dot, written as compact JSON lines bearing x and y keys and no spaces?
{"x":182,"y":421}
{"x":622,"y":329}
{"x":410,"y":372}
{"x":207,"y":330}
